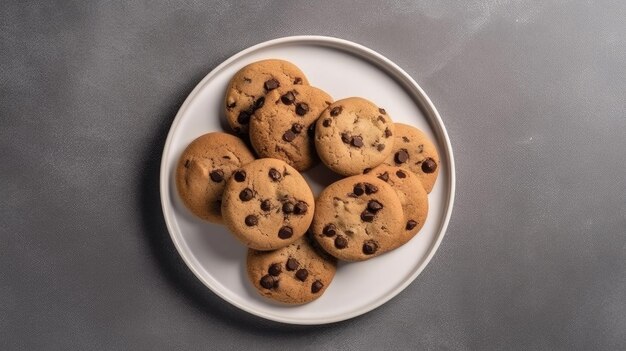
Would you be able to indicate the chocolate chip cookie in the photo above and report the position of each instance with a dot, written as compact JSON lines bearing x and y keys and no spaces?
{"x":353,"y":134}
{"x":295,"y":274}
{"x":246,"y":91}
{"x":414,"y":151}
{"x":203,"y":170}
{"x":412,"y":195}
{"x":283,"y":127}
{"x":267,"y":204}
{"x":357,"y":218}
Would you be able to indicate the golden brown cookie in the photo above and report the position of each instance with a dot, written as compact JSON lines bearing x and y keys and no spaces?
{"x":295,"y":274}
{"x":247,"y":89}
{"x":267,"y":204}
{"x":412,"y":195}
{"x":357,"y":218}
{"x":203,"y":169}
{"x":413,"y":150}
{"x":284,"y":126}
{"x":353,"y":134}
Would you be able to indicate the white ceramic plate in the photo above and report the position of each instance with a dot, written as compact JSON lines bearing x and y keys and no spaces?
{"x":342,"y":69}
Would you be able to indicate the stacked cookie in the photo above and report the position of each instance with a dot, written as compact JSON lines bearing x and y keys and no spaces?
{"x":293,"y":239}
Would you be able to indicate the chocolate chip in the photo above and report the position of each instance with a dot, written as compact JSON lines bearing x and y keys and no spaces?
{"x":289,"y":136}
{"x":316,"y":286}
{"x":267,"y":281}
{"x":226,"y":157}
{"x":288,"y":98}
{"x":186,"y":163}
{"x":367,"y":216}
{"x":251,"y":220}
{"x":335,"y":111}
{"x":382,"y":110}
{"x":384,"y":176}
{"x":358,"y":189}
{"x":240,"y":176}
{"x":405,"y":139}
{"x":367,"y":170}
{"x":246,"y":194}
{"x":374,"y":206}
{"x":302,"y":274}
{"x":285,"y":232}
{"x":302,"y":108}
{"x":288,"y":208}
{"x":300,"y":208}
{"x":244,"y":117}
{"x":357,"y":141}
{"x":401,"y":156}
{"x":217,"y":175}
{"x":411,"y":224}
{"x":346,"y":138}
{"x":400,"y":174}
{"x":329,"y":230}
{"x":259,"y":103}
{"x":370,"y":189}
{"x":380,"y":147}
{"x":311,"y":130}
{"x":266,"y":205}
{"x":231,"y":104}
{"x":292,"y":264}
{"x":369,"y":247}
{"x":429,"y":165}
{"x":274,"y":174}
{"x":382,"y":119}
{"x":352,"y":195}
{"x":327,"y":122}
{"x":388,"y":133}
{"x":297,"y":128}
{"x":275,"y":269}
{"x":271,"y":84}
{"x":341,"y":242}
{"x":298,"y":80}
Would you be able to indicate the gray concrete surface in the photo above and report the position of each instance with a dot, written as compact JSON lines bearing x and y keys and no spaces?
{"x":532,"y":94}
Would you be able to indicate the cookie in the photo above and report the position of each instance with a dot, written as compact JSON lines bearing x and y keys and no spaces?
{"x":203,"y":170}
{"x":267,"y":204}
{"x":246,"y":90}
{"x":283,"y":127}
{"x":413,"y":198}
{"x":414,"y":151}
{"x":357,"y":218}
{"x":353,"y":134}
{"x":295,"y":274}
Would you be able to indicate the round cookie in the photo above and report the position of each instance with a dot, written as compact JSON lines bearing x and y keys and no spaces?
{"x":246,"y":90}
{"x":357,"y":218}
{"x":283,"y":127}
{"x":412,"y":195}
{"x":203,"y":169}
{"x":267,"y":204}
{"x":353,"y":134}
{"x":414,"y":151}
{"x":295,"y":274}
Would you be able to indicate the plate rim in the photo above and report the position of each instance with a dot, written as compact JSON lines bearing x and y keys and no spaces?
{"x":363,"y":51}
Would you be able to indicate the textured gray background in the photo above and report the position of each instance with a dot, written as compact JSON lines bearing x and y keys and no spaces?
{"x":532,"y":94}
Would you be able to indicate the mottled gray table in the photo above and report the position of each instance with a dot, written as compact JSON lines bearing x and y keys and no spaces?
{"x":532,"y":94}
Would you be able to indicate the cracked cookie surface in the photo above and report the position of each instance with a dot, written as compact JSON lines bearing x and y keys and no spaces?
{"x":267,"y":204}
{"x":295,"y":274}
{"x":413,"y":150}
{"x":247,"y":89}
{"x":283,"y":127}
{"x":203,"y":170}
{"x":353,"y":134}
{"x":357,"y":218}
{"x":412,"y":195}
